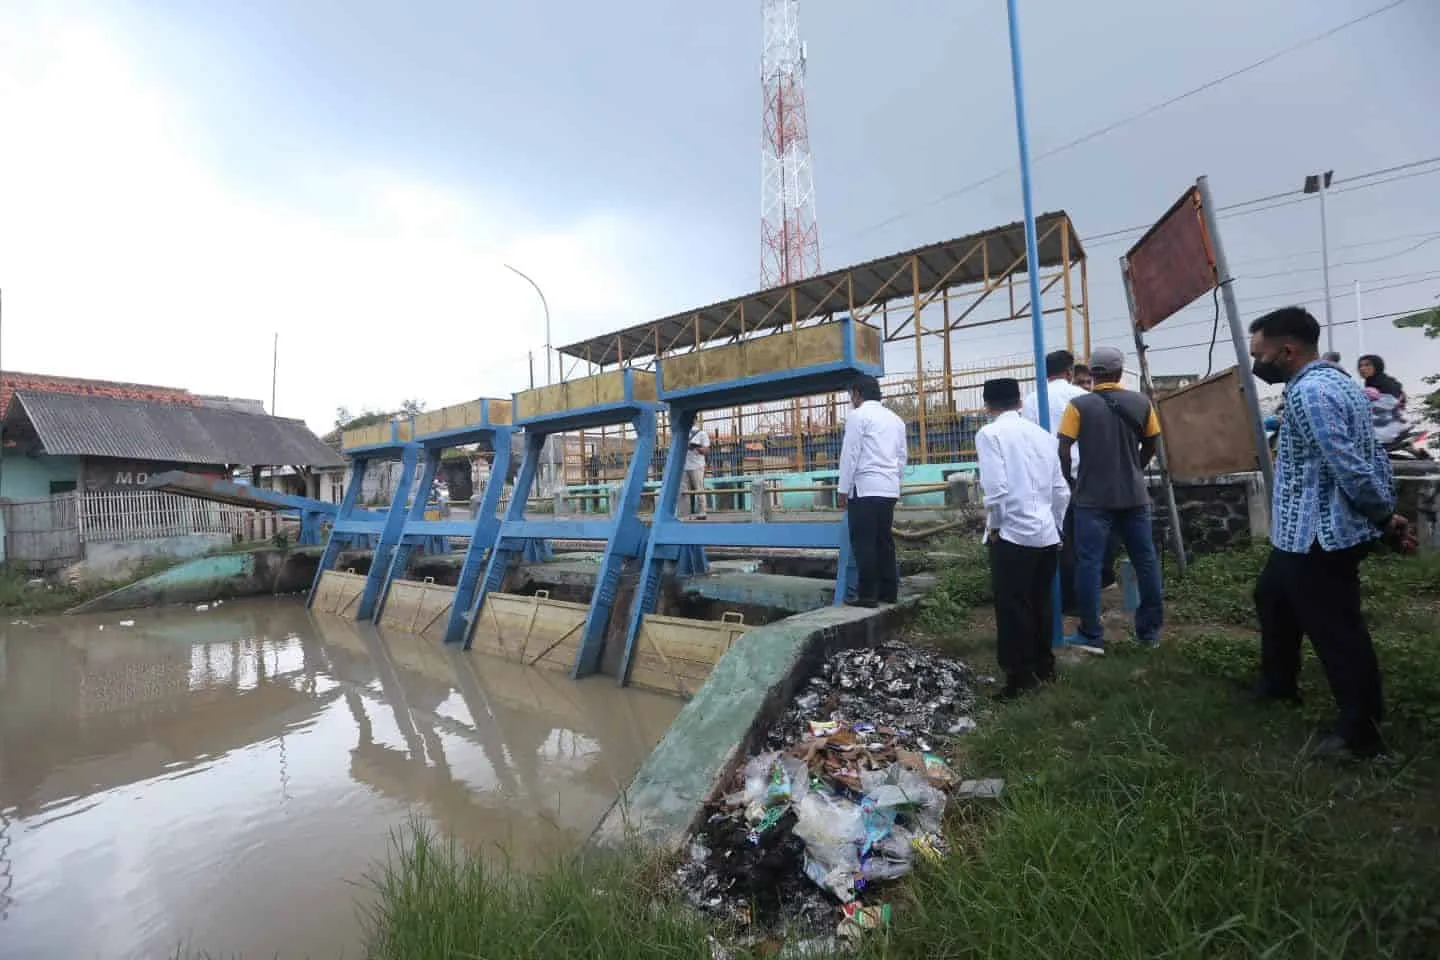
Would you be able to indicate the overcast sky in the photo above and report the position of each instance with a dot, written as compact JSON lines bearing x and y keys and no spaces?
{"x":181,"y":180}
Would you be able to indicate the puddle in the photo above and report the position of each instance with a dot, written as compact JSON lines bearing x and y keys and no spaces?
{"x":223,"y":778}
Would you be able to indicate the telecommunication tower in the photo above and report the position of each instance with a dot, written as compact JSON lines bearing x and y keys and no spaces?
{"x":789,"y":234}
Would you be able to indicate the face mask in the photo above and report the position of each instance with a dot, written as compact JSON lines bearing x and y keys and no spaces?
{"x":1268,"y":371}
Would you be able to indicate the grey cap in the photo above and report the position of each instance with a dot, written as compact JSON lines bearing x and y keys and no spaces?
{"x":1107,"y":361}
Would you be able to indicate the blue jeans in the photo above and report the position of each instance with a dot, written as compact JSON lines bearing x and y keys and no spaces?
{"x":1092,"y":533}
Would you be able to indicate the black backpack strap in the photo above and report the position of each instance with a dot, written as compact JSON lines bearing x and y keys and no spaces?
{"x":1122,"y":413}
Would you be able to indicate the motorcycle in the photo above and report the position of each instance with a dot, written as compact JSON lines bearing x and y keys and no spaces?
{"x":1404,"y":444}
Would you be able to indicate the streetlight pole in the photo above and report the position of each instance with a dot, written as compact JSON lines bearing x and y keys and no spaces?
{"x":1319,"y":183}
{"x":545,"y":305}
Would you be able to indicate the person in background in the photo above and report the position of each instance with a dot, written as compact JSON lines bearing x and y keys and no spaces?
{"x":1333,"y":497}
{"x":1026,"y":500}
{"x":1117,"y":432}
{"x":694,"y":480}
{"x":872,"y":460}
{"x":1060,"y":372}
{"x":1372,"y":371}
{"x":1082,"y":378}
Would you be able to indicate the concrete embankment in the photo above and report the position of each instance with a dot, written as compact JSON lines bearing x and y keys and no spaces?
{"x":223,"y":576}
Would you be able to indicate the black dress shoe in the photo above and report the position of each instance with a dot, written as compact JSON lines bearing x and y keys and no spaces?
{"x":1016,"y":687}
{"x":1333,"y":746}
{"x":867,"y":604}
{"x":1263,"y":692}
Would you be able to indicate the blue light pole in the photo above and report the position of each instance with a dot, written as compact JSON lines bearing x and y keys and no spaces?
{"x":1032,"y":259}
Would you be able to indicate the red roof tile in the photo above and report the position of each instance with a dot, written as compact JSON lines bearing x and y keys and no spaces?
{"x":80,"y":387}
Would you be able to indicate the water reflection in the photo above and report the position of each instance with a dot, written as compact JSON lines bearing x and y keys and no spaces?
{"x":222,"y":778}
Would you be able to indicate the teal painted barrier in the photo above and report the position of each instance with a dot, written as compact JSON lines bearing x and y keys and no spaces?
{"x":595,"y":498}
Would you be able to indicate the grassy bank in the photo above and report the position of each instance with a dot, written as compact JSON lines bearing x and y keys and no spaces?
{"x":1148,"y":812}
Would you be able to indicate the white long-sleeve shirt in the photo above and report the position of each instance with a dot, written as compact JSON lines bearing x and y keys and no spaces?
{"x":1059,"y":393}
{"x":873,"y":454}
{"x":1025,"y":492}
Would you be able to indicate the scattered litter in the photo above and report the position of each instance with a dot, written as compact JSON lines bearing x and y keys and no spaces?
{"x":856,"y":920}
{"x":127,"y":623}
{"x":201,"y":608}
{"x":102,"y":626}
{"x":847,"y":795}
{"x":980,"y":789}
{"x":36,"y":582}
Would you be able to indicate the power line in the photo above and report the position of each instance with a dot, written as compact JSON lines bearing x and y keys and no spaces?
{"x":1124,"y":121}
{"x":1286,"y":199}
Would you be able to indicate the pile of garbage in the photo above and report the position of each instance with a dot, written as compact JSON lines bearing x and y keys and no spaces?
{"x":847,"y":795}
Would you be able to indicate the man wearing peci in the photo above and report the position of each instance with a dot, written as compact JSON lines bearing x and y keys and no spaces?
{"x":1026,"y":497}
{"x":872,"y":460}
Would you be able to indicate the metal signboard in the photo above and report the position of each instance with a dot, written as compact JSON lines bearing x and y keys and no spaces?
{"x":1173,"y":263}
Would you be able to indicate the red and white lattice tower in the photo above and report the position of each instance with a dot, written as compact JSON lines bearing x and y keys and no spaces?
{"x":789,"y":234}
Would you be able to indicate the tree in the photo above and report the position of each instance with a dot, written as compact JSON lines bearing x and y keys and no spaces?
{"x":1428,"y":322}
{"x":368,"y":417}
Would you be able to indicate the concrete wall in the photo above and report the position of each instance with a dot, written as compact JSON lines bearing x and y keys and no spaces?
{"x":29,"y":478}
{"x":119,"y":560}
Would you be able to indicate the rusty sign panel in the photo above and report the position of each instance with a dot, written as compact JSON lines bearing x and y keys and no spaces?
{"x":1172,"y":264}
{"x":1207,"y":428}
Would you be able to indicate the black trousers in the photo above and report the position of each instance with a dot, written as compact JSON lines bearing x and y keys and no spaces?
{"x":873,"y":543}
{"x":1067,"y":563}
{"x":1022,"y":580}
{"x":1317,"y":594}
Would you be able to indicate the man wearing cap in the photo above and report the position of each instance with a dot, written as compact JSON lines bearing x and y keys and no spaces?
{"x":1117,"y":432}
{"x":1026,"y":497}
{"x":872,"y":459}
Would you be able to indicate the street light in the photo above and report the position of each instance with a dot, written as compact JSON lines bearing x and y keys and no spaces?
{"x":546,"y":306}
{"x":549,"y":441}
{"x":1319,"y":183}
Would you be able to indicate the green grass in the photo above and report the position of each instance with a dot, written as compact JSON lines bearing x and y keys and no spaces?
{"x":1148,"y":812}
{"x":432,"y":900}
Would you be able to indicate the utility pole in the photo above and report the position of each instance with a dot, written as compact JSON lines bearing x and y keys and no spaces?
{"x":544,"y":305}
{"x":1319,"y":183}
{"x":274,"y":371}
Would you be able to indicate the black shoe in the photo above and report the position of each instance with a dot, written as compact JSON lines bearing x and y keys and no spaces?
{"x":891,"y":598}
{"x":1334,"y":746}
{"x":1016,"y":687}
{"x":1263,"y":692}
{"x":866,"y":604}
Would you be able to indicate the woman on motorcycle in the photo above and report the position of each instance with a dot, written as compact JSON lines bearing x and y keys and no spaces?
{"x":1372,"y":371}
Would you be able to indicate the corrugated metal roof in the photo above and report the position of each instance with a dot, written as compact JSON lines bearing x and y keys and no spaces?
{"x":939,"y":265}
{"x":136,"y":430}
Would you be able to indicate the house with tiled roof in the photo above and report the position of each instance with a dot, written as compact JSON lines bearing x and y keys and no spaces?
{"x":59,"y":434}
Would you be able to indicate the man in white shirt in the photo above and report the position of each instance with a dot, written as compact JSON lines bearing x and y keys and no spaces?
{"x":872,"y":459}
{"x":1064,"y":374}
{"x":1026,"y":497}
{"x":693,"y":483}
{"x":1060,"y":372}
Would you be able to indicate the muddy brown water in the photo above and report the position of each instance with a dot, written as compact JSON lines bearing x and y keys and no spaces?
{"x":224,"y":780}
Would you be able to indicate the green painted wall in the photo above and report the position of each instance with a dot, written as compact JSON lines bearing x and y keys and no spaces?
{"x":29,"y":478}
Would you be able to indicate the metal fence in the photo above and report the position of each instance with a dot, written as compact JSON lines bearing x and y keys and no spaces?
{"x":51,"y":532}
{"x":152,"y":514}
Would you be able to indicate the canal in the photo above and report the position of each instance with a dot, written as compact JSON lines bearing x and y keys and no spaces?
{"x":223,"y":781}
